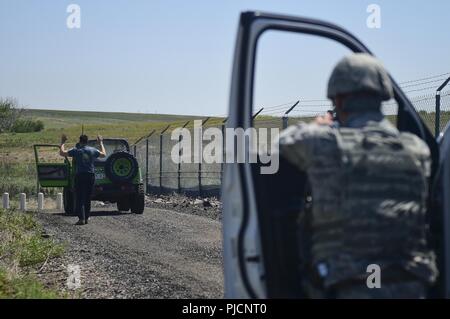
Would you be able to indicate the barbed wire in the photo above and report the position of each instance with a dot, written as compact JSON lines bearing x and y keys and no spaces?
{"x":280,"y":105}
{"x":321,"y":105}
{"x":188,"y":177}
{"x":422,"y":89}
{"x":426,"y":78}
{"x":422,"y":83}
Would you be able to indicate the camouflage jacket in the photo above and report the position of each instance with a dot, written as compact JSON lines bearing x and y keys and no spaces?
{"x":369,"y":187}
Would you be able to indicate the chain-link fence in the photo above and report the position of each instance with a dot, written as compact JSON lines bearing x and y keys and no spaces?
{"x":434,"y":110}
{"x":157,"y":153}
{"x":165,"y":172}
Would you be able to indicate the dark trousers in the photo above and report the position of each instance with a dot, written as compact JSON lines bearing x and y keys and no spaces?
{"x":84,"y":183}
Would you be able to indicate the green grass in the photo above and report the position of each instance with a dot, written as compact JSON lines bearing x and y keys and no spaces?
{"x":17,"y":178}
{"x":125,"y":125}
{"x":20,"y":177}
{"x":17,"y":164}
{"x":26,"y":287}
{"x":22,"y":251}
{"x":62,"y":119}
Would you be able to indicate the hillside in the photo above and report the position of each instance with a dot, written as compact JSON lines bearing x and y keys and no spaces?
{"x":62,"y":119}
{"x":131,"y":126}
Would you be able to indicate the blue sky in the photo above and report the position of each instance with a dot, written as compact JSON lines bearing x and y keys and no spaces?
{"x":175,"y":56}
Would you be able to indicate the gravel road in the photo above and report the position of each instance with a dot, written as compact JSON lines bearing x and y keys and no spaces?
{"x":160,"y":254}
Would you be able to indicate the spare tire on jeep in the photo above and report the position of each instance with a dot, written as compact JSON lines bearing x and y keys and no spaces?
{"x":121,"y":167}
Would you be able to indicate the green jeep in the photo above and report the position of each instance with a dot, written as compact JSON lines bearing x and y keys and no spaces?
{"x":117,"y":176}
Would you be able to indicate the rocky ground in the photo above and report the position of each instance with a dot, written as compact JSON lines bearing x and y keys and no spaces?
{"x":209,"y":207}
{"x":173,"y":250}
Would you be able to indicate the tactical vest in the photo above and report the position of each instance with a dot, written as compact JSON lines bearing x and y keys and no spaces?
{"x":371,"y":209}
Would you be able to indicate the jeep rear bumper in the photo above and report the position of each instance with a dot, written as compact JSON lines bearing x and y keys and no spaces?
{"x":112,"y":193}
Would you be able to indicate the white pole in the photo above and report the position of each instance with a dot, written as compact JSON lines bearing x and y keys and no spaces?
{"x":5,"y":200}
{"x":22,"y":202}
{"x":40,"y":202}
{"x":59,"y":202}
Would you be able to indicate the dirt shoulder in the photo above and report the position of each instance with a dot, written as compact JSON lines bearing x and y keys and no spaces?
{"x":160,"y":254}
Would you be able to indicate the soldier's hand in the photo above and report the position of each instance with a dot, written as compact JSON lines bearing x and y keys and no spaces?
{"x":99,"y":138}
{"x":326,"y":119}
{"x":63,"y":138}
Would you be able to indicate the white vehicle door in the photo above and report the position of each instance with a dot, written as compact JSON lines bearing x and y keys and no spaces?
{"x":261,"y":250}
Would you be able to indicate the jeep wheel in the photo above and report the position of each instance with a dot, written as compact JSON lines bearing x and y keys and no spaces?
{"x":69,"y":201}
{"x":121,"y":167}
{"x":138,"y":201}
{"x":123,"y":205}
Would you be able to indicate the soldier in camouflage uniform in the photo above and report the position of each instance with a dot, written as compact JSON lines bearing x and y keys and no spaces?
{"x":369,"y":186}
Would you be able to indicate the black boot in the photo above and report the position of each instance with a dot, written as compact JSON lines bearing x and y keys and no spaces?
{"x":80,"y":222}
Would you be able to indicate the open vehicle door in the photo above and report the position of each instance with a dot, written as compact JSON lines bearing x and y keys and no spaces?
{"x":259,"y":220}
{"x":441,"y":206}
{"x":52,"y":169}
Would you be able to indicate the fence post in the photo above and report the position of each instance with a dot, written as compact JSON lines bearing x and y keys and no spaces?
{"x":6,"y":200}
{"x":147,"y":161}
{"x":160,"y":156}
{"x":40,"y":202}
{"x":437,"y":114}
{"x":284,"y":124}
{"x":160,"y":161}
{"x":22,"y":202}
{"x":59,"y":202}
{"x":199,"y":172}
{"x":135,"y":145}
{"x":285,"y":117}
{"x":200,"y":149}
{"x":257,"y":113}
{"x":146,"y":165}
{"x":223,"y":149}
{"x":180,"y":138}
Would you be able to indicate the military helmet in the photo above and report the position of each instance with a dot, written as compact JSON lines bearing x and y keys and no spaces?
{"x":359,"y":73}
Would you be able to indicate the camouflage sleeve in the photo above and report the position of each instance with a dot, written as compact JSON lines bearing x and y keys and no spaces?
{"x":421,"y":151}
{"x":295,"y":144}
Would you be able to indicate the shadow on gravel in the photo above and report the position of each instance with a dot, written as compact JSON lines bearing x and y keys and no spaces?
{"x":108,"y":213}
{"x":100,"y":213}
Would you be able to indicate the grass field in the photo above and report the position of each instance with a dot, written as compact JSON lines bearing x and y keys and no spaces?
{"x":128,"y":125}
{"x":17,"y":167}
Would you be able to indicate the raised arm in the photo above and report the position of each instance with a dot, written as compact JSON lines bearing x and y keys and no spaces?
{"x":62,"y":150}
{"x":102,"y":147}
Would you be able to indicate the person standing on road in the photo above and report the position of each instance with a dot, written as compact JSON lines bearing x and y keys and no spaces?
{"x":84,"y":157}
{"x":369,"y":185}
